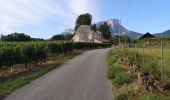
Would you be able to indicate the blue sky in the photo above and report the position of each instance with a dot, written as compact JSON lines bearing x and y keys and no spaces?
{"x":44,"y":18}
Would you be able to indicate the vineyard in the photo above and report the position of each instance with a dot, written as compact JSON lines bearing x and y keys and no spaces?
{"x":13,"y":53}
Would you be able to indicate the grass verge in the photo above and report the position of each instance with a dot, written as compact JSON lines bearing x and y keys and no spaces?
{"x":126,"y":83}
{"x":9,"y":85}
{"x":118,"y":75}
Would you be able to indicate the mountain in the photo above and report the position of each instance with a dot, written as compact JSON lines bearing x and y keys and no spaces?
{"x":68,"y":31}
{"x":116,"y":28}
{"x":165,"y":33}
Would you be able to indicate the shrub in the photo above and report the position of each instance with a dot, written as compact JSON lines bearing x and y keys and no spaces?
{"x":121,"y":96}
{"x":152,"y":68}
{"x":28,"y":53}
{"x":114,"y":70}
{"x":150,"y":96}
{"x":122,"y":78}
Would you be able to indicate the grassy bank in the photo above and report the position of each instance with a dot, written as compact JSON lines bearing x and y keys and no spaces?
{"x":18,"y":81}
{"x":125,"y":81}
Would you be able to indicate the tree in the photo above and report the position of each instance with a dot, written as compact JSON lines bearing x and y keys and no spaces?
{"x":94,"y":27}
{"x":17,"y":37}
{"x":104,"y":29}
{"x":123,"y":39}
{"x":83,"y":19}
{"x":58,"y":37}
{"x":69,"y":36}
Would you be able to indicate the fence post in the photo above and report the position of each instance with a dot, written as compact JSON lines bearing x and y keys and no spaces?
{"x":143,"y":62}
{"x":162,"y":60}
{"x":135,"y":54}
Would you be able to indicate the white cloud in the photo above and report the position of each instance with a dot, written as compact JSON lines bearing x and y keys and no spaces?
{"x":80,"y":6}
{"x":16,"y":13}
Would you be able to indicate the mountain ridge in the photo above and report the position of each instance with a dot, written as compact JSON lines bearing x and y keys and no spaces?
{"x":116,"y":28}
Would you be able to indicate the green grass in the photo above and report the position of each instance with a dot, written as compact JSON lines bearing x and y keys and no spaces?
{"x":13,"y":83}
{"x":115,"y":71}
{"x":122,"y":78}
{"x":153,"y":59}
{"x":121,"y":96}
{"x":150,"y":96}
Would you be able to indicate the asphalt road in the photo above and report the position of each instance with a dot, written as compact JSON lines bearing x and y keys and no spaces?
{"x":82,"y":78}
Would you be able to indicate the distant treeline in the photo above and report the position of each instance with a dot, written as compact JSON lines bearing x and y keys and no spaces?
{"x":22,"y":37}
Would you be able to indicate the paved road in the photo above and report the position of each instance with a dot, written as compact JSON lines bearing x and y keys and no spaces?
{"x":82,"y":78}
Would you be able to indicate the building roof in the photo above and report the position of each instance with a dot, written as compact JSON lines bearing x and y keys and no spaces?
{"x":147,"y":36}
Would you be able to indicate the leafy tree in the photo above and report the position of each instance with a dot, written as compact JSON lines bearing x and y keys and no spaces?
{"x":123,"y":39}
{"x":83,"y":19}
{"x":94,"y":27}
{"x":104,"y":29}
{"x":18,"y":37}
{"x":68,"y":36}
{"x":37,"y":39}
{"x":58,"y":37}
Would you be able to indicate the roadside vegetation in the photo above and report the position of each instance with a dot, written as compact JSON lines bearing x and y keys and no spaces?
{"x":136,"y":71}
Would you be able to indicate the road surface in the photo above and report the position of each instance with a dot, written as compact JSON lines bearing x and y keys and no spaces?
{"x":82,"y":78}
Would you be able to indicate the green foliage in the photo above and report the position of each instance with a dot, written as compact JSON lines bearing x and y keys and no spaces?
{"x":28,"y":53}
{"x":150,"y":96}
{"x":58,"y":37}
{"x":40,"y":53}
{"x":17,"y":37}
{"x":9,"y":85}
{"x":7,"y":56}
{"x":83,"y":19}
{"x":62,"y":37}
{"x":123,"y":39}
{"x":122,"y":78}
{"x":104,"y":29}
{"x":68,"y":36}
{"x":114,"y":70}
{"x":94,"y":27}
{"x":152,"y":68}
{"x":12,"y":53}
{"x":121,"y":96}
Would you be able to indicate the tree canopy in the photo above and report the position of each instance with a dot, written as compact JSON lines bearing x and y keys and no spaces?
{"x":83,"y":19}
{"x":123,"y":39}
{"x":104,"y":29}
{"x":62,"y":37}
{"x":17,"y":37}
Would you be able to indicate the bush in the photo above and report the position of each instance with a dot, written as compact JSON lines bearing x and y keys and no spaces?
{"x":122,"y":78}
{"x":152,"y":68}
{"x":150,"y":96}
{"x":121,"y":96}
{"x":114,"y":70}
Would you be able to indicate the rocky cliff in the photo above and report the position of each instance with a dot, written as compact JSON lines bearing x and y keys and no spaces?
{"x":116,"y":28}
{"x":86,"y":34}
